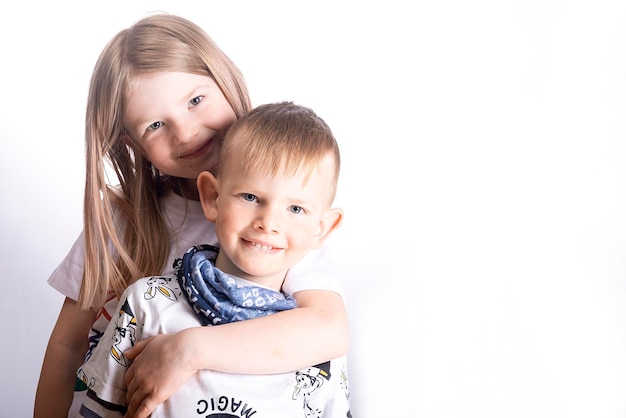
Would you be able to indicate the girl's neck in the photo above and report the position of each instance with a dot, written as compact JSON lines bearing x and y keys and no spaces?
{"x":186,"y":188}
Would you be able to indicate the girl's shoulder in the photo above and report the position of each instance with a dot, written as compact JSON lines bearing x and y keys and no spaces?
{"x":177,"y":207}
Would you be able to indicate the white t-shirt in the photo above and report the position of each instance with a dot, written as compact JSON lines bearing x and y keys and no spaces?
{"x":157,"y":305}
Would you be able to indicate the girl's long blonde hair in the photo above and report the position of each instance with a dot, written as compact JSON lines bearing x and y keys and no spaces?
{"x":132,"y":240}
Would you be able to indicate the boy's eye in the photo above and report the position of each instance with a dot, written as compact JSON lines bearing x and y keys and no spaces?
{"x":154,"y":126}
{"x":296,"y":209}
{"x":249,"y":197}
{"x":196,"y":100}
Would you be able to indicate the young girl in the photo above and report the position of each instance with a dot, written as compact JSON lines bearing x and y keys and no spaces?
{"x":162,"y":96}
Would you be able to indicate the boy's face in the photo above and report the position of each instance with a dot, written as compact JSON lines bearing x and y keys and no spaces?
{"x":267,"y":224}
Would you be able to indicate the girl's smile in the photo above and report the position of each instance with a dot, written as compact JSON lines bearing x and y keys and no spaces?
{"x":193,"y":153}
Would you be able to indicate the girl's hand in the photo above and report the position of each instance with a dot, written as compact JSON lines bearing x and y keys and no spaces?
{"x":160,"y":367}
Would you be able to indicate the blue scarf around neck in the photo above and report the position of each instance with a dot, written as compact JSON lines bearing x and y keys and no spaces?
{"x":215,"y":296}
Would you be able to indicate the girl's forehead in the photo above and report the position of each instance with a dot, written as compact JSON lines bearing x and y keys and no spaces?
{"x":168,"y":85}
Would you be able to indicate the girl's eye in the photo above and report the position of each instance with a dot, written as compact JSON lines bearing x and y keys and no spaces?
{"x":296,"y":209}
{"x":196,"y":100}
{"x":248,"y":197}
{"x":154,"y":126}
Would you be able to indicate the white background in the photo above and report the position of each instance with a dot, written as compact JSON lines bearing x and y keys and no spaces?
{"x":484,"y":185}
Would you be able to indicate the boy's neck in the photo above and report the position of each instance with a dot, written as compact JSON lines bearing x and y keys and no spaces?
{"x":274,"y":281}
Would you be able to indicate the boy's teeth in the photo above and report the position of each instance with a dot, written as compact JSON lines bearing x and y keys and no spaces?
{"x":262,"y":247}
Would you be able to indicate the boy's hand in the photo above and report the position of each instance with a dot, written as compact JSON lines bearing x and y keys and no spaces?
{"x":159,"y":368}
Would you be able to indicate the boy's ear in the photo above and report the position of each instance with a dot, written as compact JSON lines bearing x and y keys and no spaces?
{"x":330,"y":221}
{"x":207,"y":187}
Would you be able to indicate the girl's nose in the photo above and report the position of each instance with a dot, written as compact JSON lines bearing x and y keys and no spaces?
{"x":185,"y":132}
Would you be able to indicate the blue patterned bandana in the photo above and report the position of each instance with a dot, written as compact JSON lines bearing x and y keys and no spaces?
{"x":215,"y":296}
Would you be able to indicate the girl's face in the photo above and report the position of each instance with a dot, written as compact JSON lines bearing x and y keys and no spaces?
{"x":178,"y":120}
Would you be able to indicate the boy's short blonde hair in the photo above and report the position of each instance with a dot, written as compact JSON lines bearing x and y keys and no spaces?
{"x":282,"y":137}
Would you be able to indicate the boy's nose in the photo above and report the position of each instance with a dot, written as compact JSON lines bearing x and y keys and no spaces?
{"x":267,"y":221}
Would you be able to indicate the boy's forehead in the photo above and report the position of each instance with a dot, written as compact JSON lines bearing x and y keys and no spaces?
{"x":317,"y":178}
{"x":282,"y":164}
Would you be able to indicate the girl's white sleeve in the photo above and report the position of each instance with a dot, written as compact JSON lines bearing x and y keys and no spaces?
{"x":67,"y":277}
{"x":314,"y":272}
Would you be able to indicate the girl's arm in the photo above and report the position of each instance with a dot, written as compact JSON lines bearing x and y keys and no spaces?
{"x":314,"y":332}
{"x":65,"y":353}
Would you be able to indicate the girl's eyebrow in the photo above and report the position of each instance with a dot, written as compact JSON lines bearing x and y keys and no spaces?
{"x":138,"y":123}
{"x":204,"y":86}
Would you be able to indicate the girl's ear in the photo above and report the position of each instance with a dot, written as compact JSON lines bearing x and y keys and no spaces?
{"x":330,"y":221}
{"x":207,"y":187}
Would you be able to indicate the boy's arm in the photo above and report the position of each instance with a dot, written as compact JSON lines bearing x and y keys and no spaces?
{"x":314,"y":332}
{"x":65,"y":353}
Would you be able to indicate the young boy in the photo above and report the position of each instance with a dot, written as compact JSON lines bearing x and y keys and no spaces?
{"x":271,"y":200}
